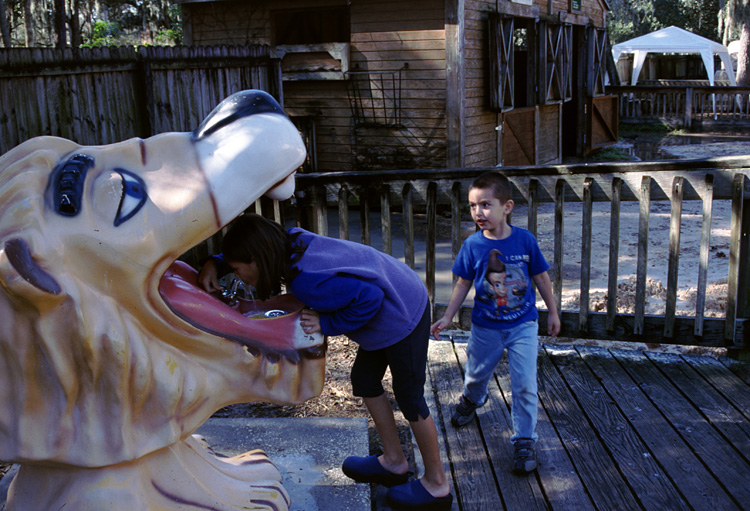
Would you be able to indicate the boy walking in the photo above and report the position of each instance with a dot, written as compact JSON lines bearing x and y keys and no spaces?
{"x":501,"y":261}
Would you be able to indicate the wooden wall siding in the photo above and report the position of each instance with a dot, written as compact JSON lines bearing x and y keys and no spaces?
{"x":548,"y":134}
{"x":385,"y":36}
{"x":388,"y":36}
{"x":326,"y":102}
{"x":481,"y":148}
{"x":104,"y":95}
{"x":592,"y":9}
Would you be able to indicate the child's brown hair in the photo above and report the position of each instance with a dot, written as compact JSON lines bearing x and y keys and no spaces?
{"x":497,"y":182}
{"x":254,"y":238}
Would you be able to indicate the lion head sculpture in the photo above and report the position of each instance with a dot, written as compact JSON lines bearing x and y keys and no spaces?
{"x":103,"y":374}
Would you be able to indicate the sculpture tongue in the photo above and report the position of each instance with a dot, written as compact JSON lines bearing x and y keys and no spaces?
{"x":179,"y":289}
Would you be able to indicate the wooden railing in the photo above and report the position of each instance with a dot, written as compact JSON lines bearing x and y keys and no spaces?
{"x":684,"y":104}
{"x":362,"y":206}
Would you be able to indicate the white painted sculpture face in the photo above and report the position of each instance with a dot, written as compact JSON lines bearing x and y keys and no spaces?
{"x":96,"y":368}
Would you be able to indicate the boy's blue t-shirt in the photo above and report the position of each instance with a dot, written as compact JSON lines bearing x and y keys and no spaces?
{"x":504,"y":295}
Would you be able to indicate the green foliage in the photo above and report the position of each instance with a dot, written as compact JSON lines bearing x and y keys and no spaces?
{"x":632,"y":18}
{"x":103,"y":33}
{"x":173,"y":34}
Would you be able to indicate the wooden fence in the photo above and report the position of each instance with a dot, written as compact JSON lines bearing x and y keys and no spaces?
{"x":686,"y":106}
{"x":421,"y":197}
{"x":104,"y":95}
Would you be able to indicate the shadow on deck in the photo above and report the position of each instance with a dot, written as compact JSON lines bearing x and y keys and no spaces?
{"x":618,"y":429}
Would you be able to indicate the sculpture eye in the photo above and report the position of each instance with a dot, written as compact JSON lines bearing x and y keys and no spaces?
{"x":133,"y":197}
{"x":67,"y":184}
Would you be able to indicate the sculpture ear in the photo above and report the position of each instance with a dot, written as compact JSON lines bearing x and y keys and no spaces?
{"x":17,"y":261}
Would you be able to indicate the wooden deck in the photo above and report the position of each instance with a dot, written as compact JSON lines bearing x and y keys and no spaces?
{"x":618,"y":430}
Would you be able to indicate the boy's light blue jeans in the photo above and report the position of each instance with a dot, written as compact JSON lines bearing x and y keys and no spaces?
{"x":484,"y":351}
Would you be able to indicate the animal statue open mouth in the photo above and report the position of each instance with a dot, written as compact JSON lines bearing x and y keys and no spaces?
{"x":110,"y":354}
{"x":278,"y":335}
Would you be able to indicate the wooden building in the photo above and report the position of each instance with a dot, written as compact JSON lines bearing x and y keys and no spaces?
{"x":400,"y":84}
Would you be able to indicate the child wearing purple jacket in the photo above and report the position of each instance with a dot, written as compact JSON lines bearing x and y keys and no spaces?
{"x":377,"y":301}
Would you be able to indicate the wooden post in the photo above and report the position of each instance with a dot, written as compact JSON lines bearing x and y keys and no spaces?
{"x":385,"y":218}
{"x":455,"y":83}
{"x":364,"y":216}
{"x":688,"y":108}
{"x":408,"y":208}
{"x":455,"y":222}
{"x":430,"y":249}
{"x":700,"y":300}
{"x":738,"y":249}
{"x":614,"y":253}
{"x":674,"y":256}
{"x":586,"y":227}
{"x":642,"y":264}
{"x":557,"y":264}
{"x":343,"y":213}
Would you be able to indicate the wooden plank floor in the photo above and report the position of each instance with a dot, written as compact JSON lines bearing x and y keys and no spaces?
{"x":618,"y":430}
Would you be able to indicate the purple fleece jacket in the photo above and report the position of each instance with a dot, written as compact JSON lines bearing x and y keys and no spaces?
{"x":359,"y":291}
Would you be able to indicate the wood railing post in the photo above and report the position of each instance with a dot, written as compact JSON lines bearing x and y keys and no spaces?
{"x":430,"y":265}
{"x":385,"y":218}
{"x":586,"y":227}
{"x":700,"y":301}
{"x":642,"y":264}
{"x":344,"y":212}
{"x":614,"y":253}
{"x":674,"y":257}
{"x":364,"y":216}
{"x":738,"y":250}
{"x":688,"y":107}
{"x":408,"y":208}
{"x":455,"y":222}
{"x":557,"y":264}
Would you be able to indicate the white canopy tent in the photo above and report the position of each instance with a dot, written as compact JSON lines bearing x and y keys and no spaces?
{"x":674,"y":40}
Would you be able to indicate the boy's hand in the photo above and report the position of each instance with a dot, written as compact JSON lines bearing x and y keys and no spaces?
{"x":208,"y":277}
{"x":439,"y":325}
{"x":553,"y":325}
{"x":310,"y":321}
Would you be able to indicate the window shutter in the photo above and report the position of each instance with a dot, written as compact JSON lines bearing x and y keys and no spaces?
{"x":501,"y":63}
{"x":558,"y":43}
{"x":598,"y":62}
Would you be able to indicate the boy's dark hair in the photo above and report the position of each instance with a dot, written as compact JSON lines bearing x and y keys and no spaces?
{"x":254,"y":238}
{"x":497,"y":182}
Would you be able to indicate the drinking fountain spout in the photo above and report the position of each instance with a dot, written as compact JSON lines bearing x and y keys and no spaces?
{"x":229,"y":294}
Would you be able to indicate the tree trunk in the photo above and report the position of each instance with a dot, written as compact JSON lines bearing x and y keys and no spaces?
{"x":28,"y":21}
{"x":75,"y":24}
{"x":60,"y":19}
{"x":4,"y":28}
{"x":743,"y":57}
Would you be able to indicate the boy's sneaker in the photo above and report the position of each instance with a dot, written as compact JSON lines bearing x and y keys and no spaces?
{"x":464,"y":413}
{"x":524,"y":456}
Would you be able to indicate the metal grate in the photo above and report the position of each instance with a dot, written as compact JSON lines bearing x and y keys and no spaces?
{"x":375,"y":97}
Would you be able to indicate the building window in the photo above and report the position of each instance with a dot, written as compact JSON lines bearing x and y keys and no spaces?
{"x":311,"y":26}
